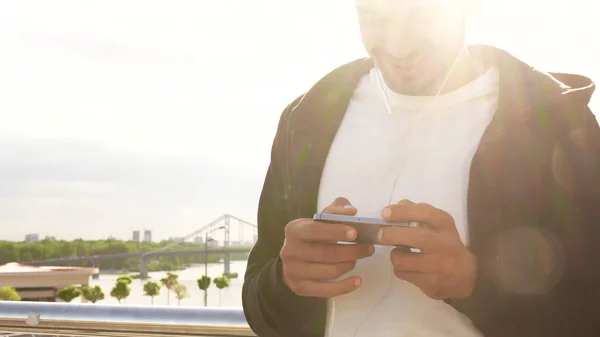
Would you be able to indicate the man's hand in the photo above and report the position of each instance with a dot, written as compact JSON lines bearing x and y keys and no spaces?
{"x":445,"y":268}
{"x":312,"y":258}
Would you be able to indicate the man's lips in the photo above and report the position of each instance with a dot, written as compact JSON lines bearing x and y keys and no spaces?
{"x":405,"y":63}
{"x":405,"y":68}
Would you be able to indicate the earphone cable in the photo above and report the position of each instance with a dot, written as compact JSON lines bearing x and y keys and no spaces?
{"x":394,"y":184}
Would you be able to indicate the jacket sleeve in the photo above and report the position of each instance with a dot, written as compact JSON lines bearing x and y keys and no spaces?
{"x":270,"y":307}
{"x":574,"y":306}
{"x":571,"y":218}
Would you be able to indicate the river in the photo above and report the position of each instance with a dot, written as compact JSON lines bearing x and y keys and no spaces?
{"x":228,"y":297}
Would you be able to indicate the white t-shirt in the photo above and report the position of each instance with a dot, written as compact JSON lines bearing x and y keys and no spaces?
{"x":421,"y":152}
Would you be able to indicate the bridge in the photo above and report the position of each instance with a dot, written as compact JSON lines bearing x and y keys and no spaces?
{"x":226,"y":223}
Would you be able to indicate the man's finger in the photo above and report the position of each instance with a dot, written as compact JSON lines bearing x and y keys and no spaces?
{"x":312,"y":231}
{"x":326,"y":253}
{"x":416,"y":263}
{"x":417,"y":237}
{"x":326,"y":289}
{"x":317,"y":271}
{"x":428,"y":283}
{"x":341,"y":206}
{"x":420,"y":213}
{"x":336,"y":253}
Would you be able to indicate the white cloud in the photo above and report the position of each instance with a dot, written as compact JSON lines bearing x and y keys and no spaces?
{"x":143,"y":113}
{"x":71,"y":189}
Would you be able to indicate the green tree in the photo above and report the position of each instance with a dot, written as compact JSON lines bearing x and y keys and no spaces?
{"x":181,"y":292}
{"x":92,"y":295}
{"x":26,"y":256}
{"x":231,"y":275}
{"x":69,"y":293}
{"x":221,"y":282}
{"x":50,"y":248}
{"x":125,"y":278}
{"x":151,"y":289}
{"x":170,"y":282}
{"x":9,"y":294}
{"x":121,"y":290}
{"x":67,"y":249}
{"x":203,"y":284}
{"x":8,"y":253}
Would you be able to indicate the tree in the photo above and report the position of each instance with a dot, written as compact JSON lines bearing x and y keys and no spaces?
{"x":92,"y":295}
{"x":9,"y":294}
{"x":221,"y":282}
{"x":181,"y":292}
{"x":231,"y":275}
{"x":69,"y":293}
{"x":125,"y":278}
{"x":26,"y":256}
{"x":203,"y":284}
{"x":170,"y":282}
{"x":121,"y":290}
{"x":50,"y":248}
{"x":151,"y":289}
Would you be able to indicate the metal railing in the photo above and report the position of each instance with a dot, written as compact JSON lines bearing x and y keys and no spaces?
{"x":67,"y":319}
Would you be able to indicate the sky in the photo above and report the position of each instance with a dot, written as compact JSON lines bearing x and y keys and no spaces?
{"x":120,"y":115}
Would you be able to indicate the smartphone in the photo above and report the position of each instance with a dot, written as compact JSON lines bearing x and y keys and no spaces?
{"x":367,"y":229}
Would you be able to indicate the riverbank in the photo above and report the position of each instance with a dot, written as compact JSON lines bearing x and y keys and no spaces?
{"x":49,"y":248}
{"x":230,"y":297}
{"x":136,"y":275}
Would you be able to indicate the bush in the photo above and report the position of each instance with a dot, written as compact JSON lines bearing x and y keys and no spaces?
{"x":9,"y":294}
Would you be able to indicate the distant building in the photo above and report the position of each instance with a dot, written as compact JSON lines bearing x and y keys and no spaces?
{"x":41,"y":284}
{"x":198,"y":240}
{"x":147,"y":236}
{"x":34,"y":237}
{"x":136,"y":236}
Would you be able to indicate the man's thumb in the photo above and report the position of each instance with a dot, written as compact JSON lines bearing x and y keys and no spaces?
{"x":341,"y":206}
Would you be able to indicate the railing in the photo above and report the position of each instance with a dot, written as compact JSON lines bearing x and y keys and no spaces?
{"x":66,"y":319}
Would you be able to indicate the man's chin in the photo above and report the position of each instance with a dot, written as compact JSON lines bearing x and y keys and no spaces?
{"x":406,"y":85}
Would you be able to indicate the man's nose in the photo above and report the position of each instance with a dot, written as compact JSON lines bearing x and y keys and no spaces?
{"x":399,"y":39}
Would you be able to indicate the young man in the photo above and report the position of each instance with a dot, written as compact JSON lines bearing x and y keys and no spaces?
{"x":499,"y":164}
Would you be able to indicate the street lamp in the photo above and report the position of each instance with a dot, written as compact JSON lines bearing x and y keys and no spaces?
{"x":206,"y":240}
{"x":206,"y":253}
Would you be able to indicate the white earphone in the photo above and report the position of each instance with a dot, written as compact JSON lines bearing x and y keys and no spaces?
{"x":384,"y":93}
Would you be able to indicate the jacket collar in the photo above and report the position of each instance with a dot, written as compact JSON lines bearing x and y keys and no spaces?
{"x":524,"y":92}
{"x":521,"y":86}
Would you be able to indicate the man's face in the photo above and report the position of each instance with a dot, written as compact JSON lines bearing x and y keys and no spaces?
{"x":413,"y":42}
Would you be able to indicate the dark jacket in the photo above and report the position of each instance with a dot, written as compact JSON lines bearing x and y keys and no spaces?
{"x":533,"y":206}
